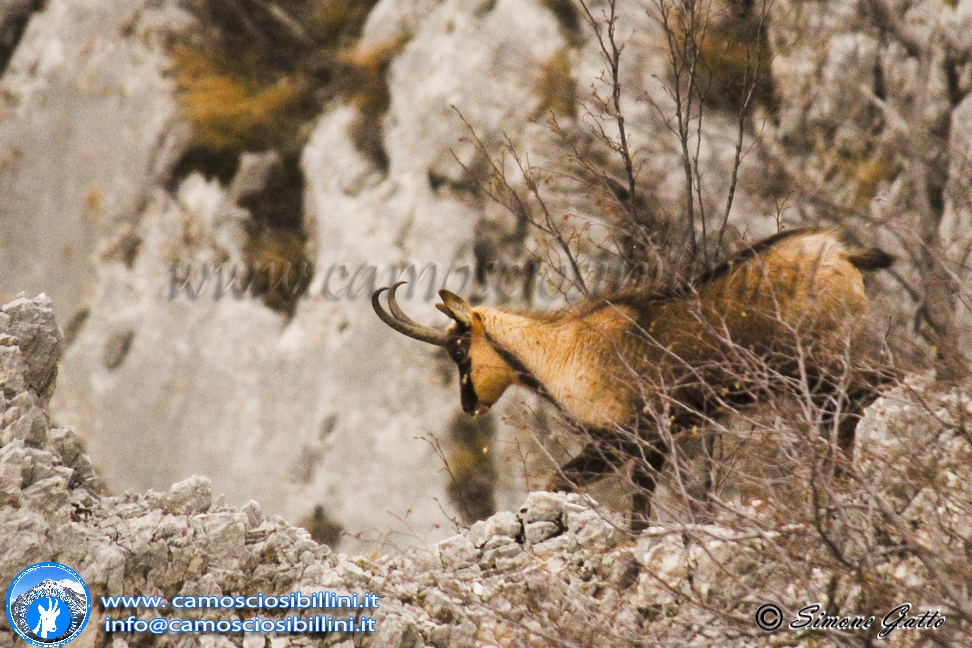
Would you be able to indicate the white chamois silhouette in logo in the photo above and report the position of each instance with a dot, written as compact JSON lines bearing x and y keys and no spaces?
{"x":48,"y":618}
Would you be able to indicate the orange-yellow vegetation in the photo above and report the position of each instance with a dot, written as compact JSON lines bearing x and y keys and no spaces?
{"x":556,"y":86}
{"x":231,"y":111}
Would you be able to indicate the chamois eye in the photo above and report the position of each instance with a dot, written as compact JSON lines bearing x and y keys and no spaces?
{"x":458,"y":350}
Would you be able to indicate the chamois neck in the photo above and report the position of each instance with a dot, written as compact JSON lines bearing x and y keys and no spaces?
{"x":554,"y":357}
{"x":530,"y":339}
{"x":538,"y":349}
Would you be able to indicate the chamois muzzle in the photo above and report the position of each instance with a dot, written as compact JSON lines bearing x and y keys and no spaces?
{"x":401,"y":322}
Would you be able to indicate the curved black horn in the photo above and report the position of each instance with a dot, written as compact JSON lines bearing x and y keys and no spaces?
{"x":396,"y":310}
{"x":401,"y":322}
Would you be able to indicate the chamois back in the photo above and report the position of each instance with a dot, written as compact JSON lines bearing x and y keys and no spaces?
{"x":798,"y":293}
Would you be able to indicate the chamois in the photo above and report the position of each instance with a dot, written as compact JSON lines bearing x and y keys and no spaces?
{"x":789,"y":304}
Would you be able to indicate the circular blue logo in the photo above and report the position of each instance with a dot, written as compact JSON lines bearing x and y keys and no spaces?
{"x":48,"y":604}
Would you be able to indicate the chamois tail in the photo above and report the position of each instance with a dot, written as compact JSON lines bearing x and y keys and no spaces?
{"x":870,"y":259}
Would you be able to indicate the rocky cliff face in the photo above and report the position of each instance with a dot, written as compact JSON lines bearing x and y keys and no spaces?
{"x":317,"y":409}
{"x":86,"y":128}
{"x":324,"y":408}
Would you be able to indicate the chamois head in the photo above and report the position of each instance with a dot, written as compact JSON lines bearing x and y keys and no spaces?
{"x":483,"y":374}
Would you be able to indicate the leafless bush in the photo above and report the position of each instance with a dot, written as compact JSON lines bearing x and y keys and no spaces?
{"x":765,"y":501}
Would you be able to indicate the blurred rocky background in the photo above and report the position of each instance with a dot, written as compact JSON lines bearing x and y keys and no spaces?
{"x":200,"y":187}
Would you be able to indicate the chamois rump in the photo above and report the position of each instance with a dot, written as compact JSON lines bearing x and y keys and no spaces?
{"x":784,"y":314}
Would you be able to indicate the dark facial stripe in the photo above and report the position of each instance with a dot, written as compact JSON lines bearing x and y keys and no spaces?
{"x":524,"y":374}
{"x":458,"y":349}
{"x":467,"y":392}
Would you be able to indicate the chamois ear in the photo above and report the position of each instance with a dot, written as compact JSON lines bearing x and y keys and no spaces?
{"x":455,"y":307}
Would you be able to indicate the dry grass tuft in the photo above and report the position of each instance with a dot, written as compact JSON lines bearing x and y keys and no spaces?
{"x":470,"y":463}
{"x":232,"y":111}
{"x":557,"y":87}
{"x":260,"y":72}
{"x":568,"y":18}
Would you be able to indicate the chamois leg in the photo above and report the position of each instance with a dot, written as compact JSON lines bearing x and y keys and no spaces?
{"x":862,"y":389}
{"x":853,"y":404}
{"x":651,"y":460}
{"x":594,"y":462}
{"x":847,"y":430}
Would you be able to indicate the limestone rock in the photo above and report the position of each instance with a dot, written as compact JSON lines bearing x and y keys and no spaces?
{"x":39,"y":339}
{"x":86,"y":80}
